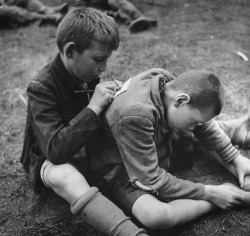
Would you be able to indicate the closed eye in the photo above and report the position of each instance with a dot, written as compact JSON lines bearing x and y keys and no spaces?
{"x":199,"y":123}
{"x":100,"y":59}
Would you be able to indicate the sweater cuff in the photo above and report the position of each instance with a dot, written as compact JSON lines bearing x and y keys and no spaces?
{"x":228,"y":153}
{"x":93,"y":114}
{"x":202,"y":192}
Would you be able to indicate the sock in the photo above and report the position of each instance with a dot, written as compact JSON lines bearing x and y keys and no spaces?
{"x":99,"y":212}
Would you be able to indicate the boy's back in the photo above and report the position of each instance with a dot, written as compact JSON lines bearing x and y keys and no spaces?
{"x":52,"y":89}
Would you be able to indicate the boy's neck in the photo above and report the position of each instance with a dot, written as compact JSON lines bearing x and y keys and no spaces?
{"x":168,"y":95}
{"x":67,"y":67}
{"x":65,"y":64}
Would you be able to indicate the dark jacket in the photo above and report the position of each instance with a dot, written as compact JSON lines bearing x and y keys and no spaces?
{"x":58,"y":122}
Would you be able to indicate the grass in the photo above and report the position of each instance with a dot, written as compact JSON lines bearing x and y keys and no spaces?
{"x":191,"y":34}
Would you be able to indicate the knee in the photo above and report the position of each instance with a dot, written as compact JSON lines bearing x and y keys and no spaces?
{"x":58,"y":176}
{"x":156,"y":217}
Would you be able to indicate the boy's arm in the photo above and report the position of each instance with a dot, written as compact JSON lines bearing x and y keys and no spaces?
{"x":215,"y":139}
{"x":135,"y":139}
{"x":241,"y":165}
{"x":59,"y":143}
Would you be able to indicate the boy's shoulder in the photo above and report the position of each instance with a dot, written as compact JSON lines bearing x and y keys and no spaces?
{"x":42,"y":79}
{"x":43,"y":73}
{"x":46,"y":75}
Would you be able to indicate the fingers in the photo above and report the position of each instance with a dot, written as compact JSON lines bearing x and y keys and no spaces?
{"x":236,"y":196}
{"x":241,"y":179}
{"x":118,"y":83}
{"x":107,"y":91}
{"x":112,"y":85}
{"x":227,"y":196}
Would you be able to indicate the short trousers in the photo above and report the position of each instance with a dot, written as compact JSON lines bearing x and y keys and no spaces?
{"x":122,"y":192}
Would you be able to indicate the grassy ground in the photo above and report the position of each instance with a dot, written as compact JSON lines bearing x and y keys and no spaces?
{"x":191,"y":34}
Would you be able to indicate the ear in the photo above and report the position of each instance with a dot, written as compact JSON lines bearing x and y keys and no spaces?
{"x":69,"y":49}
{"x":181,"y":99}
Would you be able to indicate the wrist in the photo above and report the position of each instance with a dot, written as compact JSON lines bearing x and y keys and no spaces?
{"x":95,"y":109}
{"x":209,"y":192}
{"x":236,"y":159}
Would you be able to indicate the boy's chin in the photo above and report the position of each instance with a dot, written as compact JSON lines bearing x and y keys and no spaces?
{"x":90,"y":79}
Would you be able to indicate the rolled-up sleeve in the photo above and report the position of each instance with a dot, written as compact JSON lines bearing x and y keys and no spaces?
{"x":135,"y":139}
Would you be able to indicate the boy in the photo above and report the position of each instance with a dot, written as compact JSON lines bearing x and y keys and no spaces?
{"x":63,"y":113}
{"x":131,"y":156}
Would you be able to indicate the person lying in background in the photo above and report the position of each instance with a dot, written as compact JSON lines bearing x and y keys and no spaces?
{"x":121,"y":10}
{"x":24,"y":12}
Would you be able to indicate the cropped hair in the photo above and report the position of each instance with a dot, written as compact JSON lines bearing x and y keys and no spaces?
{"x":204,"y":88}
{"x":85,"y":27}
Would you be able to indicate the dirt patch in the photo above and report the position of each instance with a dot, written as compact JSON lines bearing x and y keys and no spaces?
{"x":190,"y":35}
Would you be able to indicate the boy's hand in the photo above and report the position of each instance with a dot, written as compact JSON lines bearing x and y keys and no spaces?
{"x":103,"y":96}
{"x":224,"y":196}
{"x":118,"y":83}
{"x":242,"y":168}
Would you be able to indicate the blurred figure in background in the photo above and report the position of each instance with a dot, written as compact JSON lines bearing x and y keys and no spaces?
{"x":23,"y":12}
{"x":121,"y":10}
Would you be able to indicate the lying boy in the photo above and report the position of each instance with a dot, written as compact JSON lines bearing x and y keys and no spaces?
{"x":23,"y":12}
{"x":63,"y":114}
{"x":122,"y":10}
{"x":131,"y":156}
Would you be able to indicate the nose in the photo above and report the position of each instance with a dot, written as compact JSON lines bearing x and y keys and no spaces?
{"x":103,"y":67}
{"x":191,"y":128}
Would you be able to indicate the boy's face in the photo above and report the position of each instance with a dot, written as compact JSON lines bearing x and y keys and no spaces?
{"x":87,"y":66}
{"x":186,"y":117}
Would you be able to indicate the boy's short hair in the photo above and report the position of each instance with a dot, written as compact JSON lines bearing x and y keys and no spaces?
{"x":85,"y":27}
{"x":204,"y":88}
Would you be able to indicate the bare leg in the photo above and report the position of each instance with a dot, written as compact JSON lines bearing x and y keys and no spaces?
{"x":125,"y":7}
{"x":238,"y":130}
{"x":129,"y":14}
{"x":159,"y":215}
{"x":20,"y":16}
{"x":37,"y":6}
{"x":67,"y":188}
{"x":88,"y":202}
